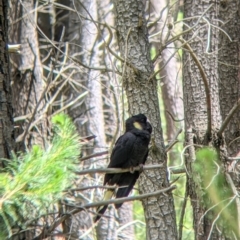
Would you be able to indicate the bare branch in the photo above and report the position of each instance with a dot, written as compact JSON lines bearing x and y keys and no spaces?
{"x":175,"y":120}
{"x":47,"y":231}
{"x":235,"y":191}
{"x":174,"y":141}
{"x":118,"y":170}
{"x":178,"y":171}
{"x":184,"y":204}
{"x":228,"y":118}
{"x":93,"y":187}
{"x":94,"y":155}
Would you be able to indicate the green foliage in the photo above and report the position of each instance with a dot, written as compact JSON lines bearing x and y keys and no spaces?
{"x":138,"y":215}
{"x":36,"y":179}
{"x":214,"y":190}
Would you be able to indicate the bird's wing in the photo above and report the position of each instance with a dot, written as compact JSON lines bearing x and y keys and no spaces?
{"x":120,"y":157}
{"x":122,"y":151}
{"x":145,"y":157}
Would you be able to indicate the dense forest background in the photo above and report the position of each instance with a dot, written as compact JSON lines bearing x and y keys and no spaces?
{"x":71,"y":72}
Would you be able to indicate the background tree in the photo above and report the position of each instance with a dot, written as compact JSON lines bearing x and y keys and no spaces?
{"x":6,"y":136}
{"x":206,"y":106}
{"x":99,"y":62}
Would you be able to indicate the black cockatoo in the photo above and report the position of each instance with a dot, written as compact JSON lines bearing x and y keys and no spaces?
{"x":130,"y":150}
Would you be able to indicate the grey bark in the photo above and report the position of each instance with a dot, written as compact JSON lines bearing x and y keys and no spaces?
{"x":210,"y":50}
{"x":6,"y":126}
{"x":27,"y":78}
{"x":141,"y":92}
{"x":112,"y":111}
{"x":28,"y":86}
{"x":195,"y":101}
{"x":6,"y":113}
{"x":228,"y":65}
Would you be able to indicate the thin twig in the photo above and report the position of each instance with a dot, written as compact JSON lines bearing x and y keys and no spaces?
{"x":93,"y":187}
{"x":118,"y":170}
{"x":230,"y":181}
{"x":94,"y":155}
{"x":173,"y":141}
{"x":228,"y":118}
{"x":178,"y":171}
{"x":175,"y":120}
{"x":129,"y":199}
{"x":184,"y":204}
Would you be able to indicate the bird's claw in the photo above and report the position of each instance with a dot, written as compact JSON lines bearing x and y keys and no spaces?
{"x":140,"y":168}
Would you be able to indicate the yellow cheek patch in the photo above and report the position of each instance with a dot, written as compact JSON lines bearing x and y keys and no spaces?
{"x":137,"y":125}
{"x":108,"y":194}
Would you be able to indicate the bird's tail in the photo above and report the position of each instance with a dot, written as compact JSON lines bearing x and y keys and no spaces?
{"x":101,"y":210}
{"x":124,"y":192}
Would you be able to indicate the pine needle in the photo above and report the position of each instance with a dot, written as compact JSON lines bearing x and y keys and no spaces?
{"x":34,"y":180}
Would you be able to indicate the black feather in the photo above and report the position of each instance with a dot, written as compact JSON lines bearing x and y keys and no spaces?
{"x":130,"y":150}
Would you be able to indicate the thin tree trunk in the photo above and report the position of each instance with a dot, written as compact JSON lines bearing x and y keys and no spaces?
{"x":170,"y":73}
{"x":112,"y":112}
{"x":83,"y":37}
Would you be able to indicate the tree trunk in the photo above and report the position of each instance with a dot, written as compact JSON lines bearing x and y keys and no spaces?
{"x":141,"y":90}
{"x":229,"y":78}
{"x":195,"y":106}
{"x":204,"y":104}
{"x":83,"y":38}
{"x":170,"y":70}
{"x":28,"y":84}
{"x":6,"y":125}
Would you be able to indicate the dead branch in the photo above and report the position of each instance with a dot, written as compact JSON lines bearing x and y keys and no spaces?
{"x":93,"y":187}
{"x":228,"y":118}
{"x":175,"y":120}
{"x":47,"y":231}
{"x":235,"y":191}
{"x":183,"y":213}
{"x":118,"y":170}
{"x":178,"y":171}
{"x":94,"y":155}
{"x":174,"y":141}
{"x":45,"y":90}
